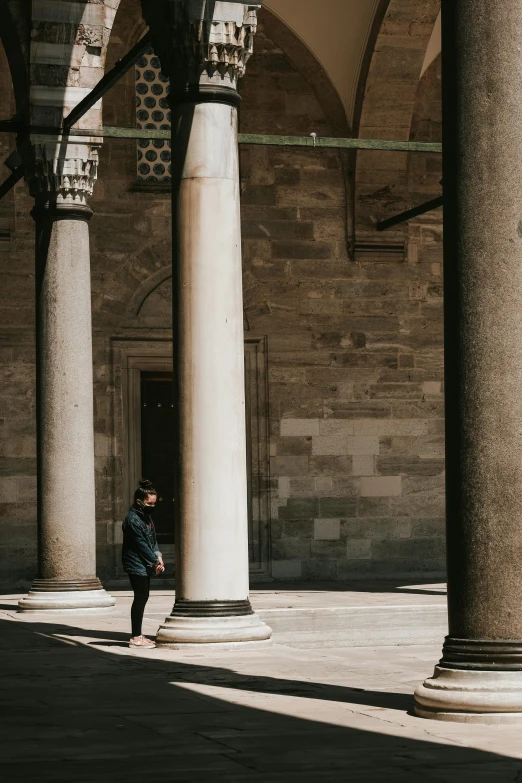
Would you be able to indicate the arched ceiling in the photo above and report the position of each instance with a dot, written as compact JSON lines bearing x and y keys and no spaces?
{"x":337,"y":32}
{"x":434,"y":46}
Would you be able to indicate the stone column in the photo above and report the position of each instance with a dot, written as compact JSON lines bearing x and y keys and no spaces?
{"x":204,"y":48}
{"x":480,"y":675}
{"x":60,"y":179}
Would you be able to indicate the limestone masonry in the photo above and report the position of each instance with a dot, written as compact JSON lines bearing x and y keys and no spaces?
{"x":343,"y":324}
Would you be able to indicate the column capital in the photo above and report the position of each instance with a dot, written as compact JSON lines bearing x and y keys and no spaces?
{"x":61,"y":172}
{"x":203,"y":46}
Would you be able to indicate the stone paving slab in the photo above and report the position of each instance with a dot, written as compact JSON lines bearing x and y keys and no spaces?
{"x":76,"y":704}
{"x":329,"y":614}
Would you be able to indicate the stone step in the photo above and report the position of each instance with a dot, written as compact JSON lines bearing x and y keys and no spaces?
{"x":357,"y":626}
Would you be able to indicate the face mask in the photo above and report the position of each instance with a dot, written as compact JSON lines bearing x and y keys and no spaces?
{"x":149,"y":509}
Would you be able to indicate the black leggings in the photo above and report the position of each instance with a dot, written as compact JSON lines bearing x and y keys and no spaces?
{"x":141,"y":587}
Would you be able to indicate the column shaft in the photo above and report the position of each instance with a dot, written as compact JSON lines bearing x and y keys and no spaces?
{"x":66,"y":492}
{"x":212,"y":603}
{"x":212,"y":536}
{"x":66,"y":434}
{"x":482,"y":116}
{"x":483,"y":250}
{"x":204,"y":48}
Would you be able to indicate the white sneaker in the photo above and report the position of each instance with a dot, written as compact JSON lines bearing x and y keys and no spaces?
{"x":141,"y":641}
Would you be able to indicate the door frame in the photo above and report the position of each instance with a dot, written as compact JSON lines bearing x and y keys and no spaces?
{"x":139,"y":356}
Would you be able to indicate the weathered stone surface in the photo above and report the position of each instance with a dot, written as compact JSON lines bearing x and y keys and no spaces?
{"x":355,"y":365}
{"x":381,"y":486}
{"x":327,"y":529}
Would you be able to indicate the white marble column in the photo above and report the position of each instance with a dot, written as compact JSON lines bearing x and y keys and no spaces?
{"x":212,"y":590}
{"x":67,"y":582}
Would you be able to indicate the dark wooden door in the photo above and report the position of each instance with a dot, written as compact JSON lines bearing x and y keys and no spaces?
{"x":157,"y":448}
{"x":158,"y":452}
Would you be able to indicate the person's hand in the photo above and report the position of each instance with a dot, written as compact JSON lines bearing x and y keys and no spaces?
{"x":159,"y":568}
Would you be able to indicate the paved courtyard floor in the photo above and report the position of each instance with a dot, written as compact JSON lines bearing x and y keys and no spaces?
{"x":77,"y":705}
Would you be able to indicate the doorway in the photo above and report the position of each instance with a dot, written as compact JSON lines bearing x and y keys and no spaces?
{"x":157,"y":448}
{"x":148,"y":435}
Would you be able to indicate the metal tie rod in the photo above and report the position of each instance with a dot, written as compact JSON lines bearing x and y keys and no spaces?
{"x":317,"y":142}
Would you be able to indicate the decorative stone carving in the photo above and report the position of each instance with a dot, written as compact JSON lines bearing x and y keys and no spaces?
{"x":64,"y":175}
{"x":200,"y":42}
{"x":224,"y":45}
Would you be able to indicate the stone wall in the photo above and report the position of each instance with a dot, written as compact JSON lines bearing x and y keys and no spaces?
{"x":354,"y":350}
{"x":354,"y":346}
{"x":17,"y":368}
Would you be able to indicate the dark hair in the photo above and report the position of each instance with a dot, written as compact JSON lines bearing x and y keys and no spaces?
{"x":145,"y":489}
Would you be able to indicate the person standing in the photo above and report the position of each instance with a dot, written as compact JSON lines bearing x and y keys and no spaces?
{"x":141,"y":556}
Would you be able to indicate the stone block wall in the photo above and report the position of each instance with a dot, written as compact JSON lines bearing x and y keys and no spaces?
{"x":17,"y":368}
{"x":354,"y":347}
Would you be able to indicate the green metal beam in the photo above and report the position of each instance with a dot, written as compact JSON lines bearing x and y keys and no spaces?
{"x":326,"y":142}
{"x":318,"y":142}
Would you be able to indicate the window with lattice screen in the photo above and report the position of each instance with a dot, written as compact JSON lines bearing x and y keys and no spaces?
{"x":152,"y":112}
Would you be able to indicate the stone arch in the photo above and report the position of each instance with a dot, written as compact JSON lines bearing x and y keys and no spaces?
{"x":13,"y":31}
{"x":135,"y":270}
{"x":151,"y":304}
{"x":129,"y":27}
{"x":378,"y":19}
{"x":305,"y":62}
{"x":146,"y":289}
{"x":309,"y":67}
{"x":73,"y":41}
{"x":387,"y":108}
{"x":119,"y":109}
{"x":65,"y":50}
{"x":155,"y":311}
{"x":425,"y":170}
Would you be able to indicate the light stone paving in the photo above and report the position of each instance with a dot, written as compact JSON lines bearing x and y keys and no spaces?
{"x":78,"y":705}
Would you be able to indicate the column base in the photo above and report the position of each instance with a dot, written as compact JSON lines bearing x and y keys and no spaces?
{"x":185,"y":632}
{"x":471,"y":696}
{"x":59,"y":596}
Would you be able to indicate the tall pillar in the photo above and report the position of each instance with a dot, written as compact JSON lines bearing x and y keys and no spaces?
{"x":203,"y":48}
{"x":480,"y":675}
{"x":60,"y":180}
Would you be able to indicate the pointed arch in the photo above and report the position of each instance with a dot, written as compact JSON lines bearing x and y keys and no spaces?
{"x":14,"y":34}
{"x":387,"y":107}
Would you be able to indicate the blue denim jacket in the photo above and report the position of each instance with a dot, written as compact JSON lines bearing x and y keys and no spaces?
{"x":140,"y":550}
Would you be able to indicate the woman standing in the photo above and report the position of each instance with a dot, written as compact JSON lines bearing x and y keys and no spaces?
{"x":141,"y":557}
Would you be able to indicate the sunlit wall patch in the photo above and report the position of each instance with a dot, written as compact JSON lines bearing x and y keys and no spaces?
{"x":152,"y":112}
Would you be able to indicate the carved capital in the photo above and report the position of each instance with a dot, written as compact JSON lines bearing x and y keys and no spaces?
{"x":201,"y":42}
{"x":62,"y":174}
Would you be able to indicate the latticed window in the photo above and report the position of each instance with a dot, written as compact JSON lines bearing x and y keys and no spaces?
{"x":152,"y":112}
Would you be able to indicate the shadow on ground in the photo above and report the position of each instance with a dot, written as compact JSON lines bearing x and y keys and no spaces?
{"x":414,"y":587}
{"x":72,"y":711}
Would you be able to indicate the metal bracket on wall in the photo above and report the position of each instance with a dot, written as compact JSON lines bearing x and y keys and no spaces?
{"x":11,"y":181}
{"x":402,"y":217}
